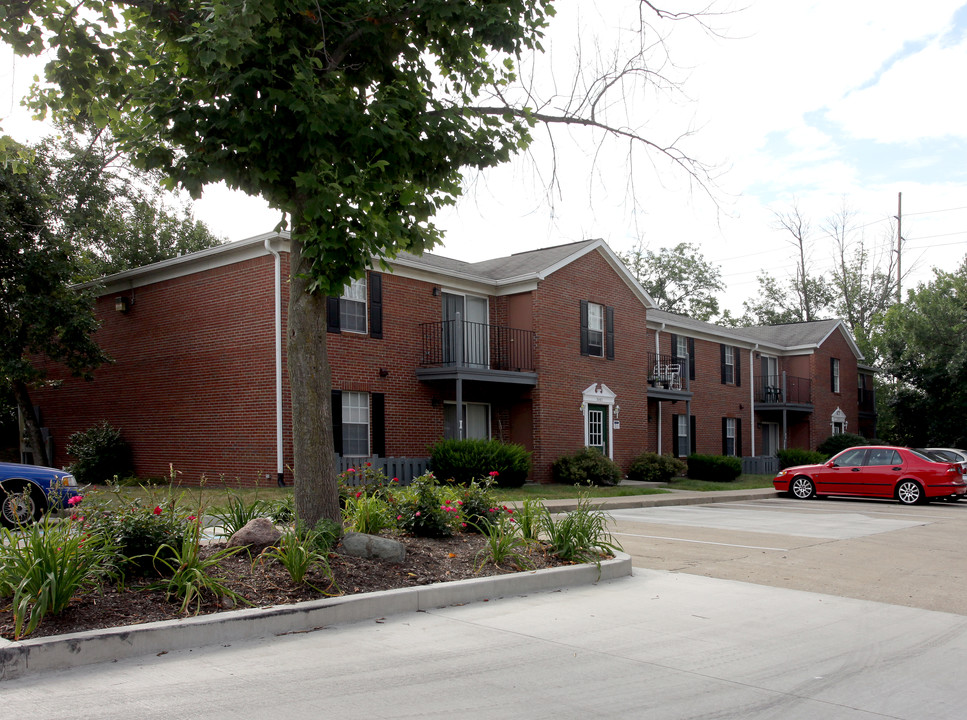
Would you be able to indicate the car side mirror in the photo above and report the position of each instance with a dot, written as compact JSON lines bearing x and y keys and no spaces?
{"x":831,"y":464}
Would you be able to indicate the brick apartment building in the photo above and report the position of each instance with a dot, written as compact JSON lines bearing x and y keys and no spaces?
{"x":556,"y":349}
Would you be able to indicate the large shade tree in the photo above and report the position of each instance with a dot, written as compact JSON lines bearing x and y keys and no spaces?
{"x":355,"y":118}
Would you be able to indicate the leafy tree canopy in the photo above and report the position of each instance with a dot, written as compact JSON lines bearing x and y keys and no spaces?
{"x":679,"y":279}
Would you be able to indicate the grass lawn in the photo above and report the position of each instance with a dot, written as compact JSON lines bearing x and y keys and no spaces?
{"x":211,"y":496}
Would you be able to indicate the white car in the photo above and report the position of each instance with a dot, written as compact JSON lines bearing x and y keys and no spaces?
{"x":950,"y":455}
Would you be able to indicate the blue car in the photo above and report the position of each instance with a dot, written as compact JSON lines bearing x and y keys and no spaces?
{"x":28,"y":491}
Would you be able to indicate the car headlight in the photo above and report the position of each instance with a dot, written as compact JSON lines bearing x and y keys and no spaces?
{"x":68,"y":481}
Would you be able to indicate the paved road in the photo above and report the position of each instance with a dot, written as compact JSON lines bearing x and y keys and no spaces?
{"x":665,"y":643}
{"x":863,"y":549}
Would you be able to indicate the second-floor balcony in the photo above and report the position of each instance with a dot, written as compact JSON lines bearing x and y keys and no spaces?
{"x":668,"y":376}
{"x":783,"y":391}
{"x":477,"y":351}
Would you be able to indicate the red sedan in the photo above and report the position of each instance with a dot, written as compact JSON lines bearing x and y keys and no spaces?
{"x":875,"y":471}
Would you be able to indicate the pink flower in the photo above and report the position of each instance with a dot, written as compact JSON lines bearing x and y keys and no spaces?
{"x":494,"y":473}
{"x":351,"y":470}
{"x":157,"y":510}
{"x":459,"y":502}
{"x":418,"y":513}
{"x":75,"y":500}
{"x":399,"y":517}
{"x":192,"y":517}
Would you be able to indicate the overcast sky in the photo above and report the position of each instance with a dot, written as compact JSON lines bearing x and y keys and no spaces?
{"x":806,"y":102}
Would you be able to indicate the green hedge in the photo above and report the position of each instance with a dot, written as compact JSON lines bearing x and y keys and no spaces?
{"x":586,"y":467}
{"x":799,"y":456}
{"x":463,"y":461}
{"x":714,"y":468}
{"x":100,"y":455}
{"x":652,"y":467}
{"x":837,"y":443}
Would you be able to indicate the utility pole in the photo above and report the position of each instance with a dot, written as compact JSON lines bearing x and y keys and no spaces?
{"x":899,"y":241}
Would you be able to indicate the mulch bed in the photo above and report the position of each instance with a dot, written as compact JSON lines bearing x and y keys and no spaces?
{"x":267,"y":583}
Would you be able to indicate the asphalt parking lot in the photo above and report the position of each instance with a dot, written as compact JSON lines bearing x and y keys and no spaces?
{"x":864,"y":549}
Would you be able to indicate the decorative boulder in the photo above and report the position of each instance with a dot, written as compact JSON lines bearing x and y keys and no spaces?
{"x":371,"y":546}
{"x":257,"y":535}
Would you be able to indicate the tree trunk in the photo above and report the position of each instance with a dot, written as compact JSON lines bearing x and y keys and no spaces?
{"x":37,"y":445}
{"x":314,"y":467}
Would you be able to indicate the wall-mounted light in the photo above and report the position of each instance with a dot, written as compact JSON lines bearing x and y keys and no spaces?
{"x":437,"y":292}
{"x":383,"y":372}
{"x":122,"y":304}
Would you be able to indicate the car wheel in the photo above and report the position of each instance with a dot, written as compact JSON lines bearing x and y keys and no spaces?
{"x":802,"y":487}
{"x":19,"y":507}
{"x":909,"y":492}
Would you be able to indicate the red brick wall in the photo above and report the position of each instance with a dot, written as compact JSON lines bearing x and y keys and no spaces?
{"x":565,"y":373}
{"x":825,"y":401}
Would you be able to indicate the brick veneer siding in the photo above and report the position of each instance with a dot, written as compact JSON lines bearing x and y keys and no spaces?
{"x":564,"y":373}
{"x":192,"y":383}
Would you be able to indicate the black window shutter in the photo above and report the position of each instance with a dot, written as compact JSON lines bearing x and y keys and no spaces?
{"x":691,"y":359}
{"x":675,"y":357}
{"x":722,"y":351}
{"x":692,"y":435}
{"x":584,"y":327}
{"x":332,"y":314}
{"x":376,"y":305}
{"x":675,"y":447}
{"x":609,"y":326}
{"x":725,"y":436}
{"x":737,"y":357}
{"x":738,"y":437}
{"x":378,"y":424}
{"x":337,"y":421}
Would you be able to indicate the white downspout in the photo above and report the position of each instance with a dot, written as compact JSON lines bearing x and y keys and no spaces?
{"x":280,"y":479}
{"x":752,"y":393}
{"x":657,"y":353}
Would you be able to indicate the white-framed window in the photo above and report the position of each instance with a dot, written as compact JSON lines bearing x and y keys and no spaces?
{"x":595,"y":329}
{"x":730,"y":437}
{"x":352,"y":306}
{"x":355,"y":424}
{"x":682,"y":432}
{"x":476,"y":421}
{"x":681,"y":346}
{"x":729,"y":369}
{"x":834,"y":374}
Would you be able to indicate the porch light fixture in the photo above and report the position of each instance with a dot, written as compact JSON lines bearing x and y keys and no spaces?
{"x":122,"y":304}
{"x":383,"y":372}
{"x":437,"y":292}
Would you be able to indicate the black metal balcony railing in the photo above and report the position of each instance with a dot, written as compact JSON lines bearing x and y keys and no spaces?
{"x":480,"y":346}
{"x":667,"y":371}
{"x":783,"y":390}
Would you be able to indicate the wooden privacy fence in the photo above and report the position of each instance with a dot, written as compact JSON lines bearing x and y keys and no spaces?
{"x":403,"y":469}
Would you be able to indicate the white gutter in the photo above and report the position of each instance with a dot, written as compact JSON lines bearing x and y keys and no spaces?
{"x":278,"y":362}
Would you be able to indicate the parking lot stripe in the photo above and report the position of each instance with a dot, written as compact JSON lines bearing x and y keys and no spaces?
{"x":700,"y":542}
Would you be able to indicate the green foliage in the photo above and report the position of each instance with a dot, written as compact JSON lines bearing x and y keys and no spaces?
{"x":237,"y":513}
{"x":586,"y":467}
{"x":504,"y":544}
{"x":478,"y":505}
{"x":463,"y":461}
{"x":652,"y":467}
{"x":528,"y":518}
{"x":189,"y":577}
{"x":837,"y":443}
{"x":100,"y":454}
{"x":44,"y":566}
{"x":370,"y":514}
{"x":581,"y":535}
{"x":425,"y":509}
{"x":679,"y":279}
{"x":716,"y":468}
{"x":797,"y":456}
{"x":281,"y":511}
{"x":299,"y":552}
{"x":139,"y":531}
{"x":924,"y":348}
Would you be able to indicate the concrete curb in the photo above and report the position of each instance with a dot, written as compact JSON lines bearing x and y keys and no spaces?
{"x":65,"y":651}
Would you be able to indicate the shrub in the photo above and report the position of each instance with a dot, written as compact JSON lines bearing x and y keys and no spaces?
{"x":586,"y":467}
{"x":652,"y":467}
{"x":714,"y":468}
{"x":465,"y":460}
{"x":837,"y":443}
{"x":477,"y":503}
{"x":137,"y":530}
{"x":798,"y":456}
{"x":365,"y":478}
{"x":100,"y":454}
{"x":425,"y":509}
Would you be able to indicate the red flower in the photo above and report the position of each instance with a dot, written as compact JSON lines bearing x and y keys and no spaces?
{"x":359,"y":494}
{"x":157,"y":510}
{"x":494,"y":473}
